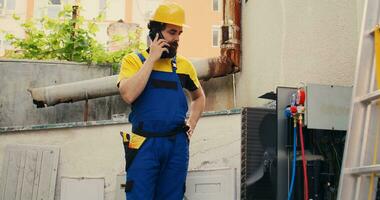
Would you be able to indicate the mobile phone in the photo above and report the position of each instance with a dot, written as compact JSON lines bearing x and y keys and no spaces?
{"x":152,"y":35}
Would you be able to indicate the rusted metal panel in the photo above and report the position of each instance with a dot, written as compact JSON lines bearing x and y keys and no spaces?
{"x":231,"y":33}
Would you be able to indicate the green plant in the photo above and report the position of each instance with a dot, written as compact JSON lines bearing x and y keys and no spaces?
{"x":69,"y":38}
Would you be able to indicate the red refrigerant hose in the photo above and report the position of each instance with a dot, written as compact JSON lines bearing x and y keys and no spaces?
{"x":305,"y":179}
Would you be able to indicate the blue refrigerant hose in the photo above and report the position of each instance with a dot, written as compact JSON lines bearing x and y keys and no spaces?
{"x":294,"y":163}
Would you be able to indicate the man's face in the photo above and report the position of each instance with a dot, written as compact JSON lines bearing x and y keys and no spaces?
{"x":171,"y":34}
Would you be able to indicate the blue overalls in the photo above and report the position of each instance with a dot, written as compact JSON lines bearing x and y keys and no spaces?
{"x":159,"y":169}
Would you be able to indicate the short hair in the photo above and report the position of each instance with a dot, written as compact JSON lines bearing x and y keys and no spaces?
{"x":156,"y":26}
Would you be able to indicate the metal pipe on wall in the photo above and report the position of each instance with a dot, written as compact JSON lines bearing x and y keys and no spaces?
{"x":75,"y":91}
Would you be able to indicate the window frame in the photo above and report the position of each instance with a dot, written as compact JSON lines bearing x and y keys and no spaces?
{"x":2,"y":49}
{"x":51,"y":5}
{"x":104,"y":8}
{"x":4,"y":45}
{"x":41,"y":8}
{"x":219,"y":5}
{"x":51,"y":1}
{"x":219,"y":32}
{"x":4,"y":10}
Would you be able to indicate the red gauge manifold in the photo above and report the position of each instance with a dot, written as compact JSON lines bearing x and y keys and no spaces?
{"x":301,"y":95}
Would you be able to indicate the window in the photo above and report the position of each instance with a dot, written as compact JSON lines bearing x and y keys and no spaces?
{"x":50,"y":8}
{"x":103,"y":7}
{"x":216,"y":35}
{"x":1,"y":4}
{"x":4,"y":45}
{"x":55,"y":2}
{"x":7,"y":6}
{"x":215,"y":5}
{"x":2,"y":49}
{"x":53,"y":8}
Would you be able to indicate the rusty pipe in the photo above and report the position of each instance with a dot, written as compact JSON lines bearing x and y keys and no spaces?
{"x":213,"y":67}
{"x":231,"y":32}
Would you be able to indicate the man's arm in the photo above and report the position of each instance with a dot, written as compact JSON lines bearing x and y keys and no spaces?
{"x":132,"y":87}
{"x":198,"y":101}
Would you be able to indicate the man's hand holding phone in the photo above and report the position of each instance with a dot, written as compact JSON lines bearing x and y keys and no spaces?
{"x":157,"y":47}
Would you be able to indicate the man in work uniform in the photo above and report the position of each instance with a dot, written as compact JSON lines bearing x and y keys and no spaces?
{"x":152,"y":81}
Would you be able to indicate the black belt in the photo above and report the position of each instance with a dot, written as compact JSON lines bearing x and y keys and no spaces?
{"x":140,"y":131}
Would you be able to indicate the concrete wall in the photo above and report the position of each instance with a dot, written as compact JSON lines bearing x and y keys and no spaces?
{"x":219,"y":93}
{"x":97,"y":151}
{"x":16,"y":103}
{"x":288,"y":42}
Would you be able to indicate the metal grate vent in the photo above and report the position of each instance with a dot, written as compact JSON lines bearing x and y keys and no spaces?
{"x":258,"y":170}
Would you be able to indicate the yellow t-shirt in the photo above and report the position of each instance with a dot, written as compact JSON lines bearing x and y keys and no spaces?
{"x":131,"y":64}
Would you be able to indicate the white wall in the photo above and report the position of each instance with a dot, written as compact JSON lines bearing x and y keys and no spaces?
{"x":142,"y":10}
{"x":97,"y":151}
{"x":115,"y":10}
{"x":90,"y":9}
{"x":217,"y":144}
{"x":288,"y":42}
{"x":85,"y":152}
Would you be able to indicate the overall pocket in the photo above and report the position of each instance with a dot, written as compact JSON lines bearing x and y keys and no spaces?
{"x":132,"y":143}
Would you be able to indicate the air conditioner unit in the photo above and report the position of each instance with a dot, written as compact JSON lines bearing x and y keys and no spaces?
{"x":259,"y":153}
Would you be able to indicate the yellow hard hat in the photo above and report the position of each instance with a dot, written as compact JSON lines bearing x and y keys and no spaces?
{"x":170,"y":13}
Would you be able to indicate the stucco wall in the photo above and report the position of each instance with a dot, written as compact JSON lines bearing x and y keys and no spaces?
{"x":288,"y":42}
{"x":219,"y":93}
{"x":16,"y":103}
{"x":97,"y":151}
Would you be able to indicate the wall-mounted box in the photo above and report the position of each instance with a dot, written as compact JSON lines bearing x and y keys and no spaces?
{"x":327,"y":106}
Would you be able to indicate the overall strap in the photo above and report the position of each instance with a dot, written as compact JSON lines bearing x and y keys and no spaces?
{"x":173,"y":61}
{"x":142,"y":58}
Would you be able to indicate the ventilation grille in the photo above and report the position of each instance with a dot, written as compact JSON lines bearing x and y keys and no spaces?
{"x":258,"y":154}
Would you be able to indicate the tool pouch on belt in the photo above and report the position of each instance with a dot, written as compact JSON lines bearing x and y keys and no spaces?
{"x":132,"y":143}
